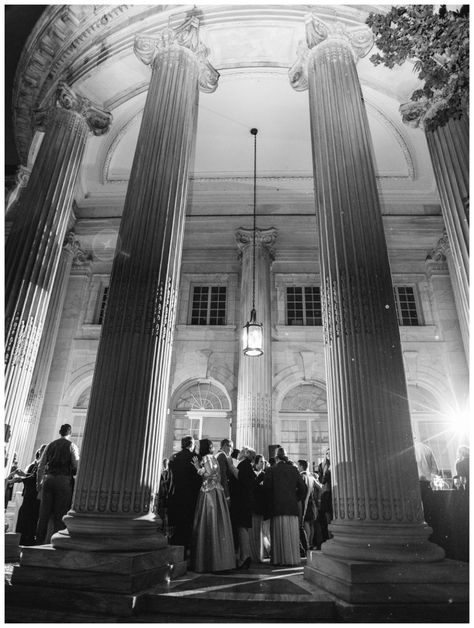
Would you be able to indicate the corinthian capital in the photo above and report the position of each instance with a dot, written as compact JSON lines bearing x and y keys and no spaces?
{"x":318,"y":35}
{"x":185,"y":36}
{"x":264,"y":238}
{"x":97,"y":119}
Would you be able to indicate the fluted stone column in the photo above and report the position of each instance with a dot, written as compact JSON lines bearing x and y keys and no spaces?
{"x":34,"y":245}
{"x":119,"y":469}
{"x":254,"y":388}
{"x":448,"y":146}
{"x":376,"y":497}
{"x":449,"y":150}
{"x":71,"y":252}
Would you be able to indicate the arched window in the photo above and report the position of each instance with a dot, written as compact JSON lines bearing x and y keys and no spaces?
{"x":202,"y":409}
{"x":304,"y":423}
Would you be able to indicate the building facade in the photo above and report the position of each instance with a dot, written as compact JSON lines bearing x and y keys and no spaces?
{"x":130,"y":261}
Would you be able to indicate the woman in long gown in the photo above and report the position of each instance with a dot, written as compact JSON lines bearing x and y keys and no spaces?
{"x":213,"y":545}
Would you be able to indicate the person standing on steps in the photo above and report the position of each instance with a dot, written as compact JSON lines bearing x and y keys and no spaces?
{"x":55,"y":482}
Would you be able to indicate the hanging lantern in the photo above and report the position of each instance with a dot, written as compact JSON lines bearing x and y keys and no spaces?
{"x":253,"y":331}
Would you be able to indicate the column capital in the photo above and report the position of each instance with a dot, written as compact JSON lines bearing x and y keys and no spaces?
{"x":185,"y":37}
{"x":264,"y":238}
{"x":21,"y":181}
{"x":334,"y":39}
{"x":441,"y":250}
{"x":72,"y":246}
{"x":66,"y":99}
{"x":421,"y":113}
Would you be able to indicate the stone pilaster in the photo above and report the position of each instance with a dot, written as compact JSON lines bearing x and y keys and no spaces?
{"x":71,"y":252}
{"x":254,"y":388}
{"x":120,"y":459}
{"x":376,"y":498}
{"x":448,"y":146}
{"x":34,"y":245}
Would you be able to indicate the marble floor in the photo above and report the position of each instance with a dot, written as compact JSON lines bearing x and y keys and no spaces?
{"x":263,"y":593}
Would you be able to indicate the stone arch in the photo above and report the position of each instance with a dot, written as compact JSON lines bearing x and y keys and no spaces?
{"x":201,"y":393}
{"x":302,"y":423}
{"x":201,"y":407}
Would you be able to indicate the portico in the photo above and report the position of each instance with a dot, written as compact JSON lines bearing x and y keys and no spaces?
{"x":160,"y":204}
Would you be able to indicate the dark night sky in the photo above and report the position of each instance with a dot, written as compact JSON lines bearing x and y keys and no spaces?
{"x":19,"y":21}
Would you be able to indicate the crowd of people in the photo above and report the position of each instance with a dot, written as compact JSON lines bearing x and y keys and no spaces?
{"x":228,"y":509}
{"x":48,"y":485}
{"x":232,"y":508}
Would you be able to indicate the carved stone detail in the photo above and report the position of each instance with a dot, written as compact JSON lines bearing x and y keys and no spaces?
{"x":97,"y":119}
{"x":21,"y":181}
{"x":185,"y":37}
{"x":338,"y":42}
{"x":441,"y":250}
{"x":264,"y":238}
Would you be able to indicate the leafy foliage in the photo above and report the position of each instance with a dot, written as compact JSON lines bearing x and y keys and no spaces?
{"x":438,"y":42}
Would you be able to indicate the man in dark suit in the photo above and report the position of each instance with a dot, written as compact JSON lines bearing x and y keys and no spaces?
{"x":185,"y":483}
{"x":284,"y":489}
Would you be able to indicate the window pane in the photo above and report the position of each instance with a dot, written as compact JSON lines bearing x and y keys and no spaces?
{"x":209,"y":305}
{"x":406,"y":305}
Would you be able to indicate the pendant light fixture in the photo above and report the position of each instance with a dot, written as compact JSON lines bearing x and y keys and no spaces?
{"x":253,"y":331}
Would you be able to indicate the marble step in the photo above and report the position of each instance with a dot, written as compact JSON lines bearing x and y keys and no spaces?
{"x":239,"y":597}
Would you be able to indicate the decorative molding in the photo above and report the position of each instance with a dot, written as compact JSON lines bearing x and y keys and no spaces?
{"x":97,"y":120}
{"x":441,"y":250}
{"x":336,"y":41}
{"x":21,"y":181}
{"x":264,"y":238}
{"x":398,"y":137}
{"x":185,"y":37}
{"x":114,"y":144}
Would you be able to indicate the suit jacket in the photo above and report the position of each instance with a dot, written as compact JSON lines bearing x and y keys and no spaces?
{"x":284,"y":488}
{"x":185,"y":483}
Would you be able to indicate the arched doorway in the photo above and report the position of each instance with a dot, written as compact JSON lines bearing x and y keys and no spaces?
{"x":201,"y":408}
{"x":303,"y":419}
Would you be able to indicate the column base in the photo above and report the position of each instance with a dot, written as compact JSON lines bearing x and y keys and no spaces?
{"x":388,"y":543}
{"x":106,"y":582}
{"x":92,"y":532}
{"x":358,"y":582}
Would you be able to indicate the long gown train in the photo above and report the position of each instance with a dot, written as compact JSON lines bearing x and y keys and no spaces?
{"x":213,"y":545}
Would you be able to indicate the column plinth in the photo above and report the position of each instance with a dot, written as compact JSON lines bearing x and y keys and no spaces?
{"x":123,"y":440}
{"x":254,"y":396}
{"x":376,"y":498}
{"x":34,"y":244}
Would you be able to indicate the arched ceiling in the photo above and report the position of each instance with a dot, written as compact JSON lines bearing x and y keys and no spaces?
{"x":252,"y":47}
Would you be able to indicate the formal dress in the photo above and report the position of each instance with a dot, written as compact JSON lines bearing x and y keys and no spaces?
{"x":213,"y":546}
{"x":29,"y":509}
